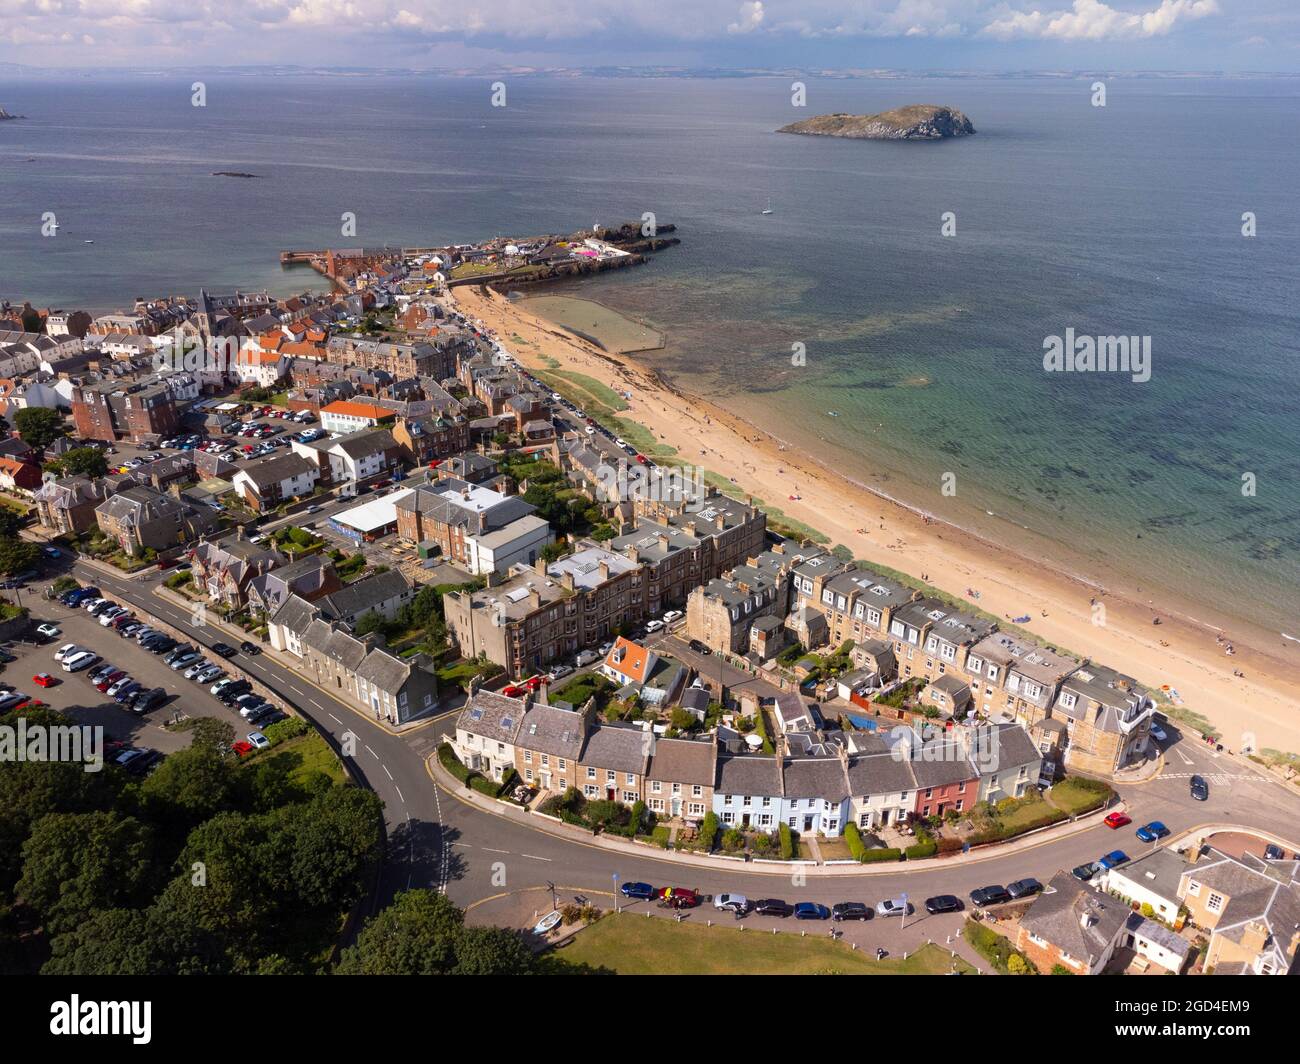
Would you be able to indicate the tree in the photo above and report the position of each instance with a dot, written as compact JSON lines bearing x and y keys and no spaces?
{"x":39,"y":426}
{"x":491,"y":951}
{"x":1017,"y":965}
{"x":415,"y":935}
{"x":18,"y":555}
{"x":84,"y":462}
{"x":190,"y":786}
{"x":77,"y":863}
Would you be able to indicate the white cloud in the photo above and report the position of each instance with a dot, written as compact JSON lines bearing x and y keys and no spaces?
{"x":751,"y":18}
{"x":1091,"y":20}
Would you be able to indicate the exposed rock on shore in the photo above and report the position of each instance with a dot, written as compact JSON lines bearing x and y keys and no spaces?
{"x":918,"y":121}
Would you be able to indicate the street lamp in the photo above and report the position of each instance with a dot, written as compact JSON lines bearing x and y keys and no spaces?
{"x":616,"y":908}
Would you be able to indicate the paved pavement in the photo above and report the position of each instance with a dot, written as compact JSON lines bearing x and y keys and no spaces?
{"x":438,"y":839}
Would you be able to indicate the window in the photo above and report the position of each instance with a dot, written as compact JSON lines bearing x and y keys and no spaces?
{"x":528,"y":760}
{"x":561,"y":764}
{"x":1214,"y":902}
{"x":546,"y":761}
{"x":1068,"y":700}
{"x":591,"y":773}
{"x":1194,"y":889}
{"x":697,"y":791}
{"x":631,"y":779}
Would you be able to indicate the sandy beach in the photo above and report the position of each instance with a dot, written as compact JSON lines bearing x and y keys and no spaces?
{"x":1263,"y":702}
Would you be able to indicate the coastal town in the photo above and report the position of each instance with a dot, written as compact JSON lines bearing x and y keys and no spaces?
{"x":362,"y":509}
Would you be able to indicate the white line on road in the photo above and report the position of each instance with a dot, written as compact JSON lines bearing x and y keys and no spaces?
{"x":401,"y":799}
{"x":490,"y":850}
{"x":386,"y":772}
{"x":373,"y":754}
{"x":533,"y":857}
{"x":335,"y":719}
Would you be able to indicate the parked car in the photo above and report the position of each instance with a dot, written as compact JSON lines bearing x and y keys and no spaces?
{"x":127,"y":692}
{"x":1117,"y":820}
{"x":1024,"y":888}
{"x":66,"y":651}
{"x":1158,"y":733}
{"x":559,"y":671}
{"x":117,"y":686}
{"x":259,"y":740}
{"x":811,"y":910}
{"x":653,"y":626}
{"x":147,"y":700}
{"x":894,"y":907}
{"x":678,"y":898}
{"x":210,"y":674}
{"x":181,"y":650}
{"x":995,"y":895}
{"x":81,"y":661}
{"x":1274,"y":853}
{"x":110,"y":615}
{"x":700,"y":648}
{"x":1152,"y":832}
{"x":13,"y":701}
{"x":734,"y":903}
{"x":142,"y":764}
{"x":224,"y":649}
{"x":242,"y":747}
{"x":943,"y":903}
{"x":184,"y":661}
{"x":672,"y":615}
{"x":587,"y":657}
{"x":250,"y":648}
{"x":1200,"y":789}
{"x":274,"y":717}
{"x":44,"y":679}
{"x":49,"y":631}
{"x":851,"y":910}
{"x":1085,"y":872}
{"x":262,"y":715}
{"x":773,"y":907}
{"x":1114,"y":859}
{"x":196,"y":668}
{"x":105,"y":682}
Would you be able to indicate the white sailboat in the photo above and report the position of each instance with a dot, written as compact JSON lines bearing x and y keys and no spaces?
{"x":768,"y":208}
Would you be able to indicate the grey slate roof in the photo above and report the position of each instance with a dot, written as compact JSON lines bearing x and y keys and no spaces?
{"x":624,"y":748}
{"x":1057,"y":915}
{"x":493,"y":716}
{"x":356,"y":598}
{"x":683,"y":761}
{"x":749,"y":774}
{"x":296,"y":615}
{"x":551,"y":730}
{"x":879,"y":774}
{"x":816,"y":777}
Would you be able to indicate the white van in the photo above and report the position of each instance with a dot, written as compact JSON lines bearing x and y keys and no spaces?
{"x":84,"y":660}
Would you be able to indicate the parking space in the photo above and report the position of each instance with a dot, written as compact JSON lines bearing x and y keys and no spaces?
{"x":73,"y":693}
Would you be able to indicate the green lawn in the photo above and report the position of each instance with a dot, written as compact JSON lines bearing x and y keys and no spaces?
{"x":1078,"y":796}
{"x":299,"y":758}
{"x":634,"y":945}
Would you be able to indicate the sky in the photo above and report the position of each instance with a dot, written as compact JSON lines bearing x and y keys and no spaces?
{"x":938,"y":35}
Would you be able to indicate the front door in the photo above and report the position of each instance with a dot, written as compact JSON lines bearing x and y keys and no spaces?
{"x":677,"y":807}
{"x":807,"y":822}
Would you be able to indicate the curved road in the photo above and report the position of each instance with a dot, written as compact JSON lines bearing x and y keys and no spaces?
{"x":482,"y":860}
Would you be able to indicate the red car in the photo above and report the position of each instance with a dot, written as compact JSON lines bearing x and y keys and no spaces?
{"x":44,"y":679}
{"x":242,"y":747}
{"x":678,"y":897}
{"x":105,"y":682}
{"x":1118,"y":820}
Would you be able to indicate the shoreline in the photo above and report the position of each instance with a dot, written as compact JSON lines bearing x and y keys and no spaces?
{"x":1265,"y":701}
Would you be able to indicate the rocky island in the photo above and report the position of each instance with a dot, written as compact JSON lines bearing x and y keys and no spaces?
{"x":5,"y":116}
{"x":233,"y":173}
{"x":918,"y":121}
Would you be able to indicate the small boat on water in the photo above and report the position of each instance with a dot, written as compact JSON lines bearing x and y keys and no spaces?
{"x":87,"y":241}
{"x":768,"y":208}
{"x":832,"y":413}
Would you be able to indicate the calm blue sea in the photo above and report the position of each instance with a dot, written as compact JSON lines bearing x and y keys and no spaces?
{"x":1117,"y":220}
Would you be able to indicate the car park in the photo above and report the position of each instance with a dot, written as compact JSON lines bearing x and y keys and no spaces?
{"x":851,"y":910}
{"x":995,"y":895}
{"x":811,"y":910}
{"x":1114,"y":859}
{"x":773,"y":907}
{"x":1152,"y":832}
{"x":943,"y":903}
{"x":1024,"y":888}
{"x":1117,"y":820}
{"x":1200,"y":789}
{"x":734,"y":903}
{"x":894,"y":907}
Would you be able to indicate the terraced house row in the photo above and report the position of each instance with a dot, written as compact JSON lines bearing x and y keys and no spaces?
{"x":870,"y":780}
{"x":1087,"y":716}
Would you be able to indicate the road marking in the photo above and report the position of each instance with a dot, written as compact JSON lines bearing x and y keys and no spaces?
{"x":1186,"y":760}
{"x":331,"y":715}
{"x":533,"y":857}
{"x":490,"y":850}
{"x":386,"y":772}
{"x":402,"y":800}
{"x":373,"y":754}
